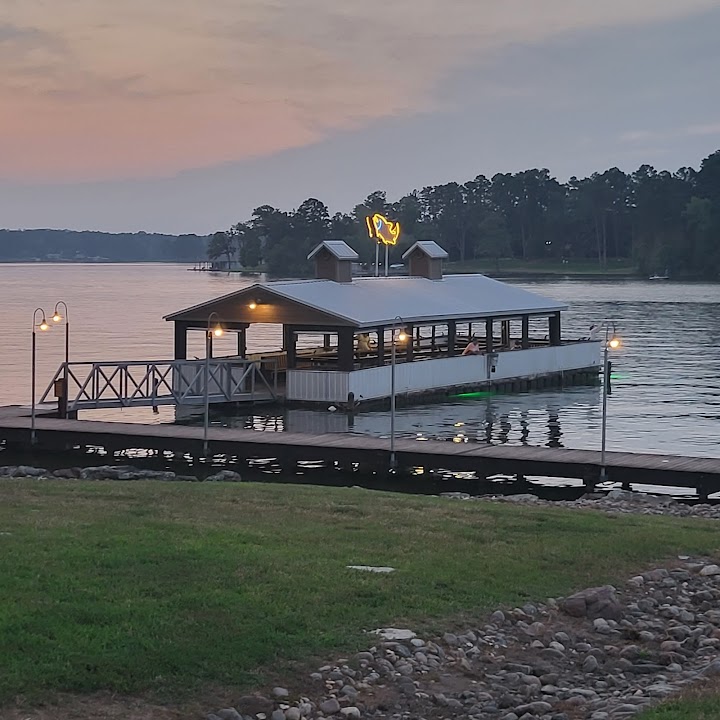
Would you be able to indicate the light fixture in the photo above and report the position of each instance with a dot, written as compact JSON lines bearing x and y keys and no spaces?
{"x":614,"y":343}
{"x":218,"y":331}
{"x":252,"y":305}
{"x":402,"y":335}
{"x":57,"y":317}
{"x":43,"y":325}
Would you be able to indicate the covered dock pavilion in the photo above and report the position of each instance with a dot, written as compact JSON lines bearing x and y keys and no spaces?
{"x":338,"y":331}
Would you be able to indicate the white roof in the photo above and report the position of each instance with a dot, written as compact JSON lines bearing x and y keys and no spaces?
{"x":429,"y":247}
{"x":374,"y":301}
{"x":339,"y":248}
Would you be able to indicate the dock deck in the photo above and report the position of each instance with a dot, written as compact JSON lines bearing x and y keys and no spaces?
{"x":287,"y":448}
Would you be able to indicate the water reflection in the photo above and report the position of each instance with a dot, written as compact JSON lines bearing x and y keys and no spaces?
{"x":523,"y":419}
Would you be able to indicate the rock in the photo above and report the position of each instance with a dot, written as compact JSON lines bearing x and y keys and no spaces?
{"x":330,"y":707}
{"x":710,"y":571}
{"x":522,"y":498}
{"x":591,"y":664}
{"x":277,"y":715}
{"x":293,"y":713}
{"x":29,"y":471}
{"x":394,"y":634}
{"x":280,"y":692}
{"x":229,"y":714}
{"x":67,"y":473}
{"x":254,"y":704}
{"x":599,"y":602}
{"x":498,"y":617}
{"x":225,"y":476}
{"x":350,"y":712}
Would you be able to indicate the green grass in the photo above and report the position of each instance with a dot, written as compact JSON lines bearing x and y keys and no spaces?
{"x":543,"y":267}
{"x":698,"y":703}
{"x":174,"y":589}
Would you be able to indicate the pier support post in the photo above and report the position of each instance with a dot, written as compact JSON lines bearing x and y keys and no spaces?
{"x":554,"y":329}
{"x":525,"y":332}
{"x":242,"y":342}
{"x":489,"y":335}
{"x":381,"y":346}
{"x":452,"y":334}
{"x":181,"y":341}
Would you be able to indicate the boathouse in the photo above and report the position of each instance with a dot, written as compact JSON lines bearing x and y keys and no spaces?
{"x":338,"y":331}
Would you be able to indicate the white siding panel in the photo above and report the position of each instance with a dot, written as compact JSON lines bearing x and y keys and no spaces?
{"x":317,"y":386}
{"x":414,"y":377}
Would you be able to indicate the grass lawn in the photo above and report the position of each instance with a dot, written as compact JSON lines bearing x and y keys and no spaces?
{"x":697,"y":703}
{"x":170,"y":589}
{"x":543,"y":267}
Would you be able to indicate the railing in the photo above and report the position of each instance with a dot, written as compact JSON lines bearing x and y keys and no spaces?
{"x":94,"y":385}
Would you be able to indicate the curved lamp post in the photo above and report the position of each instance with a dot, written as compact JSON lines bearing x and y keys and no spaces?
{"x":58,"y":317}
{"x":43,"y":327}
{"x":401,"y":336}
{"x":612,"y":342}
{"x":217,"y":331}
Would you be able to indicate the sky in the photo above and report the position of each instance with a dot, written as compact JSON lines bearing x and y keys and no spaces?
{"x":183,"y":115}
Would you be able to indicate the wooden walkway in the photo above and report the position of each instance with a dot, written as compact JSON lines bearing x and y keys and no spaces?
{"x":54,"y":434}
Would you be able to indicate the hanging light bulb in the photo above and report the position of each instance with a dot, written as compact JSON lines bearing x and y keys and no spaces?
{"x":44,"y":325}
{"x":218,"y":331}
{"x":252,"y":305}
{"x":402,"y":335}
{"x":57,"y":317}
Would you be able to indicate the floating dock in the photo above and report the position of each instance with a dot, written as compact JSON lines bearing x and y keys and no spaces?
{"x":364,"y":453}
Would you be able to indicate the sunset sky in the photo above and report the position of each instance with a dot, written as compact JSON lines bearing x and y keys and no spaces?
{"x":182,"y":115}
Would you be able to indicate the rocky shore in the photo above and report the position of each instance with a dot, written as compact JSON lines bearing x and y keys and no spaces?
{"x":602,"y":654}
{"x":111,"y":472}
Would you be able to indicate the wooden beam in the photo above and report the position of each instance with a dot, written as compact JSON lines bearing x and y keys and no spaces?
{"x":525,"y":332}
{"x":346,"y":349}
{"x":181,"y":341}
{"x":554,"y":329}
{"x":489,"y":335}
{"x":452,"y":334}
{"x":381,"y":346}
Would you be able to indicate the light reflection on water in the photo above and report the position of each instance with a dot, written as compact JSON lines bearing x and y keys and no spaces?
{"x":666,"y":395}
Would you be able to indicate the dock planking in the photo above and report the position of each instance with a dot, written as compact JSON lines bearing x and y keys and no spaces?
{"x":484,"y":460}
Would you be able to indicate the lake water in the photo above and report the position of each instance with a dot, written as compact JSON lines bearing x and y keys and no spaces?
{"x":666,"y":391}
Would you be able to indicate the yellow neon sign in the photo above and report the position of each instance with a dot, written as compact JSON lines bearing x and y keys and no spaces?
{"x":383,"y":230}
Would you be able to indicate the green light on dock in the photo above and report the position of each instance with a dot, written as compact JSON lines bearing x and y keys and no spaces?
{"x":618,"y":376}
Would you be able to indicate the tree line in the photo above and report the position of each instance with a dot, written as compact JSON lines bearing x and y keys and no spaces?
{"x":655,"y":218}
{"x":68,"y":245}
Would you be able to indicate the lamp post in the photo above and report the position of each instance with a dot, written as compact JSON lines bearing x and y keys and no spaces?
{"x":402,"y":337}
{"x":217,"y":332}
{"x":611,"y":343}
{"x":57,"y":317}
{"x":43,"y":327}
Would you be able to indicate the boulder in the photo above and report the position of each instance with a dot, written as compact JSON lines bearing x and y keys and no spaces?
{"x":225,"y":476}
{"x":598,"y":602}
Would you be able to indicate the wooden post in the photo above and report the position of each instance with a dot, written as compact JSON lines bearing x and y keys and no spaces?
{"x":409,"y":344}
{"x":452,"y":333}
{"x":489,"y":335}
{"x":242,"y":342}
{"x":180,"y":341}
{"x":505,"y":333}
{"x":381,"y":346}
{"x":290,"y":346}
{"x":326,"y":341}
{"x":432,"y":339}
{"x":525,"y":332}
{"x":555,"y":329}
{"x":346,"y":349}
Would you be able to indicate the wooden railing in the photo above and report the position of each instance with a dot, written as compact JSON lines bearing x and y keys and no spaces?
{"x":138,"y":383}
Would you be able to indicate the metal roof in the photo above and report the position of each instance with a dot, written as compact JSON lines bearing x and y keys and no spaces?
{"x":375,"y":301}
{"x":339,"y":248}
{"x":429,"y":247}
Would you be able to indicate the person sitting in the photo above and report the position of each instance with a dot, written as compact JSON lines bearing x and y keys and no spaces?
{"x":472,"y":348}
{"x":363,"y":343}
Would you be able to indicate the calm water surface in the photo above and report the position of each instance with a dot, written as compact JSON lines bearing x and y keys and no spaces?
{"x":666,"y":391}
